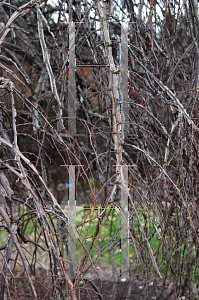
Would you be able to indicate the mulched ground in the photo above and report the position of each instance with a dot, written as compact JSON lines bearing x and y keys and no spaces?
{"x":107,"y":288}
{"x":85,"y":291}
{"x":120,"y":290}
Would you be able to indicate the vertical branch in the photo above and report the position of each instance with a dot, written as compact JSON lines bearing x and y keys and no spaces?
{"x":18,"y":246}
{"x":40,"y":87}
{"x":114,"y":90}
{"x":7,"y":259}
{"x":48,"y":65}
{"x":8,"y":85}
{"x":71,"y":82}
{"x":195,"y":13}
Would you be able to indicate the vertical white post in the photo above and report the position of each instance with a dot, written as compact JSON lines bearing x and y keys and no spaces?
{"x":71,"y":82}
{"x":72,"y":220}
{"x":124,"y":132}
{"x":124,"y":230}
{"x":124,"y":79}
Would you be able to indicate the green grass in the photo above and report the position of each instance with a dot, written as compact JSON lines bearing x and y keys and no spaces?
{"x":110,"y":225}
{"x":30,"y":227}
{"x":87,"y":221}
{"x":108,"y":229}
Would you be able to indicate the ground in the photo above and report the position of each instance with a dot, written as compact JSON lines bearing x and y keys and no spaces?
{"x":106,"y":287}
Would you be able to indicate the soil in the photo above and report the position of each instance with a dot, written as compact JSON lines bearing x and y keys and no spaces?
{"x":85,"y":291}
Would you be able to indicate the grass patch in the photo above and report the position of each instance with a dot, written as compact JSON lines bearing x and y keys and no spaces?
{"x":87,"y":224}
{"x":108,"y":229}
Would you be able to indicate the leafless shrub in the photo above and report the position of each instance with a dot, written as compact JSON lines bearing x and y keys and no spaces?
{"x":132,"y":134}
